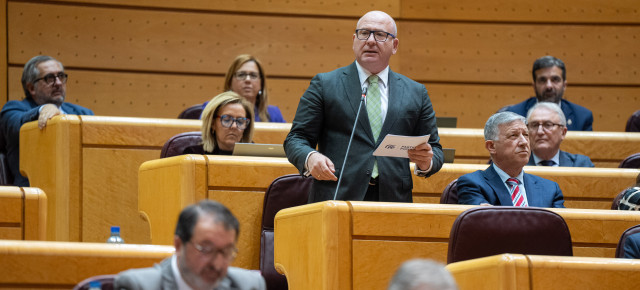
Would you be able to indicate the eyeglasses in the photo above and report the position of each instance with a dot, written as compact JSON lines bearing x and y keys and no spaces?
{"x":241,"y":76}
{"x":51,"y":78}
{"x":227,"y":121}
{"x":548,"y":126}
{"x":228,"y":254}
{"x":379,"y":36}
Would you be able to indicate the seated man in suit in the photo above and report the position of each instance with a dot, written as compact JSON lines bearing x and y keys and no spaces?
{"x":205,"y":241}
{"x":504,"y":182}
{"x":549,"y":83}
{"x":547,"y":128}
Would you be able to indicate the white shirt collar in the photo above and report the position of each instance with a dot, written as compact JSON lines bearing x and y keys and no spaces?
{"x":504,"y":176}
{"x":364,"y":74}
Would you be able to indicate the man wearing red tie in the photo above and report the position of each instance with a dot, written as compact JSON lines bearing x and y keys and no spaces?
{"x":504,"y":182}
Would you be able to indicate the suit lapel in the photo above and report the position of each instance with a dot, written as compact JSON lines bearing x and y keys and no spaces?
{"x":353,"y":91}
{"x":564,"y":159}
{"x":493,"y":179}
{"x":532,"y":187}
{"x":568,"y":113}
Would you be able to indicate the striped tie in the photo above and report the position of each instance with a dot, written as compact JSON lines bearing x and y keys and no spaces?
{"x":516,"y":195}
{"x":374,"y":112}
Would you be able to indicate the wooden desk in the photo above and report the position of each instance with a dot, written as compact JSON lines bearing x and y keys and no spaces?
{"x":168,"y":185}
{"x":357,"y":245}
{"x":88,"y":166}
{"x":61,"y":265}
{"x":23,"y":213}
{"x":532,"y":272}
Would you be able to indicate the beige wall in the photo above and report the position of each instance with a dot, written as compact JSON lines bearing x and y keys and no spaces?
{"x":155,"y":58}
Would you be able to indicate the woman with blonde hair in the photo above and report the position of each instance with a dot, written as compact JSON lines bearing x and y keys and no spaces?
{"x":246,"y":77}
{"x":226,"y":120}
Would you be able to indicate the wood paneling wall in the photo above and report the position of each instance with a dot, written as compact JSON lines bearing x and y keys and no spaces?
{"x":156,"y":58}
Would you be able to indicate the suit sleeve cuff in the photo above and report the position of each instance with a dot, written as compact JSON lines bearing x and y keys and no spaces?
{"x":422,"y":173}
{"x":306,"y":165}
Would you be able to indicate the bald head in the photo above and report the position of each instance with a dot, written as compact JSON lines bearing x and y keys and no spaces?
{"x":379,"y":16}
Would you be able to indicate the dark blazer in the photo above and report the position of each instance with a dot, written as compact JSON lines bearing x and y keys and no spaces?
{"x":160,"y":277}
{"x":487,"y":187}
{"x":14,"y":114}
{"x":578,"y":117}
{"x":325,"y":117}
{"x":569,"y":160}
{"x":632,"y":246}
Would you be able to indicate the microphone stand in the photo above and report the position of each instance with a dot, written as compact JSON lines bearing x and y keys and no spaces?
{"x":344,"y":163}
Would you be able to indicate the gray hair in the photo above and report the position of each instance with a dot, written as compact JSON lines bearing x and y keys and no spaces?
{"x":423,"y":273}
{"x":551,"y":107}
{"x":30,"y":71}
{"x":491,"y":130}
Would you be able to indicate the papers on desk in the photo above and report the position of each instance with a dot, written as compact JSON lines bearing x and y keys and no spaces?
{"x":397,"y":146}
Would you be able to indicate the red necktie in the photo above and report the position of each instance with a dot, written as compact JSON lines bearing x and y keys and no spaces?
{"x":516,"y":196}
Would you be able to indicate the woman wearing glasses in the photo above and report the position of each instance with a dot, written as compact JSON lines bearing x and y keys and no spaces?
{"x":226,"y":120}
{"x":246,"y":77}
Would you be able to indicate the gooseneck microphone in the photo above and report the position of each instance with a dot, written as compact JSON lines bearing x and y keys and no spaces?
{"x":346,"y":154}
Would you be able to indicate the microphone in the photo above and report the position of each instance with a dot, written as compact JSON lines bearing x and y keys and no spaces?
{"x":346,"y":154}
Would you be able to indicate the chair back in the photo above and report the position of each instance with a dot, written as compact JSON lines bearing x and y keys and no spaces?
{"x":284,"y":192}
{"x":192,"y":112}
{"x":632,"y":161}
{"x":633,"y":124}
{"x":623,"y":239}
{"x":176,"y":144}
{"x":491,"y":230}
{"x":450,"y":193}
{"x":106,"y":282}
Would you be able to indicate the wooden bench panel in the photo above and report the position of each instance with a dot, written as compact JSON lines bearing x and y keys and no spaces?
{"x":172,"y":41}
{"x":342,"y":233}
{"x":351,"y":8}
{"x":94,"y":161}
{"x":513,"y":271}
{"x":498,"y":53}
{"x":23,"y":212}
{"x":189,"y":178}
{"x":61,"y":265}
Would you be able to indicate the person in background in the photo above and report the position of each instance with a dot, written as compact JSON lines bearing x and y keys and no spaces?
{"x":549,"y":83}
{"x":226,"y":120}
{"x":44,"y":82}
{"x":205,"y":240}
{"x":547,"y":129}
{"x":422,"y":274}
{"x":246,"y":77}
{"x":504,"y":182}
{"x":631,"y":201}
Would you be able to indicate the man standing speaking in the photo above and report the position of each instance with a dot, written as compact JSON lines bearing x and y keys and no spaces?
{"x":394,"y":104}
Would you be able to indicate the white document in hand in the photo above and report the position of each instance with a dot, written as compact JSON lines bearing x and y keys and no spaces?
{"x":397,"y":146}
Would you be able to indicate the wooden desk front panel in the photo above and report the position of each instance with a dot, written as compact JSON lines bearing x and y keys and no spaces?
{"x":61,"y":265}
{"x":379,"y":244}
{"x":515,"y":271}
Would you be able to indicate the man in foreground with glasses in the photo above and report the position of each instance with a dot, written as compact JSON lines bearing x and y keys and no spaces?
{"x":547,"y":129}
{"x":44,"y":83}
{"x":504,"y":182}
{"x":205,"y":241}
{"x":549,"y":83}
{"x":394,"y":103}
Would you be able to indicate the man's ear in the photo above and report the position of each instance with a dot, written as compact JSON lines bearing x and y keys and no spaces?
{"x":490,"y":145}
{"x":32,"y":90}
{"x":177,"y":243}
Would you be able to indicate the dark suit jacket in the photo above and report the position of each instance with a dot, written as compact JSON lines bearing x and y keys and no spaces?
{"x":487,"y":187}
{"x":578,"y":117}
{"x":14,"y":114}
{"x":569,"y":160}
{"x":325,"y":117}
{"x":160,"y":277}
{"x":632,"y":246}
